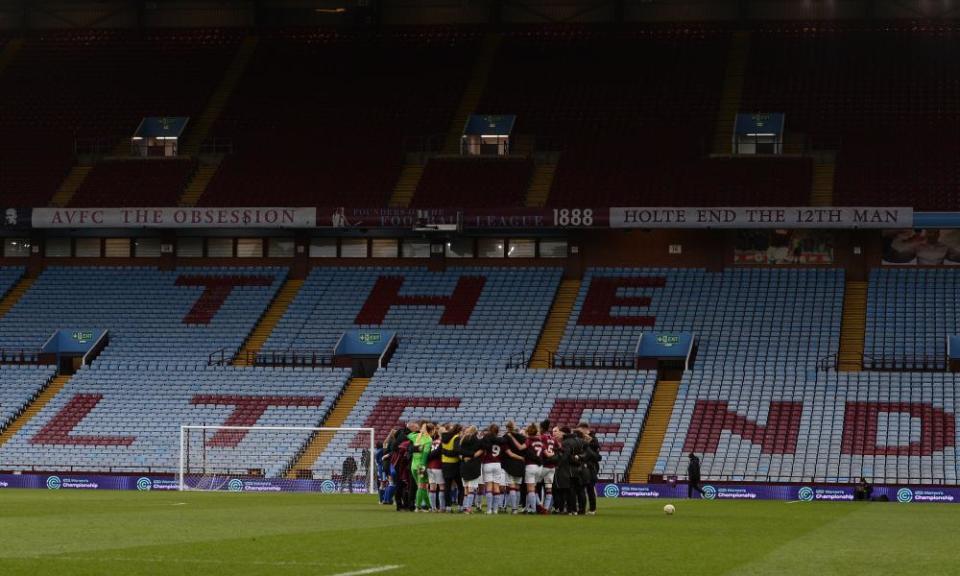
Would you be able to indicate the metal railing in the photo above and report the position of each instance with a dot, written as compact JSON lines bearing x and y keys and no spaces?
{"x":592,"y":361}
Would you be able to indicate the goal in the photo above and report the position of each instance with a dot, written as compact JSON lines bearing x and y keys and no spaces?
{"x":277,"y":459}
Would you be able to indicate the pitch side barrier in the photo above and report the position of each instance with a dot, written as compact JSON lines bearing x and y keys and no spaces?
{"x":813,"y":492}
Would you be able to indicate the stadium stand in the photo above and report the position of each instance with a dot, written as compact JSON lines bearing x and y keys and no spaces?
{"x":910,"y":315}
{"x":474,"y":182}
{"x":614,"y":401}
{"x":55,"y":92}
{"x":742,"y":317}
{"x":787,"y":426}
{"x":132,"y":183}
{"x":152,"y":316}
{"x":325,"y":116}
{"x":479,"y":317}
{"x":129,"y":419}
{"x":18,"y":386}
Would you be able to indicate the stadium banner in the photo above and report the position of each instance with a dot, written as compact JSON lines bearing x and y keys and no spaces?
{"x":16,"y":218}
{"x":144,"y":483}
{"x":259,"y":217}
{"x":920,"y":247}
{"x":784,"y":247}
{"x":788,"y":492}
{"x":470,"y":218}
{"x":761,"y":217}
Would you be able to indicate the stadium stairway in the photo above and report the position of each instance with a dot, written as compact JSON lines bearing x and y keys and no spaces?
{"x":473,"y":92}
{"x":410,"y":175}
{"x":337,"y":416}
{"x":823,"y":177}
{"x":540,"y":184}
{"x":198,"y":183}
{"x":13,"y":296}
{"x":654,"y":430}
{"x":732,"y":92}
{"x":555,"y":324}
{"x":9,"y":52}
{"x":853,"y":327}
{"x":70,"y":185}
{"x":200,"y":128}
{"x":269,"y":320}
{"x":52,"y":388}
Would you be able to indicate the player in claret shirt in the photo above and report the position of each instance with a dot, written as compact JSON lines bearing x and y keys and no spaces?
{"x":533,"y":459}
{"x":550,"y":458}
{"x":492,"y":472}
{"x":512,"y":462}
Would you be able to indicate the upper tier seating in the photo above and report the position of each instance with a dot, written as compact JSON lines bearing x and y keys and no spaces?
{"x":910,"y":314}
{"x":474,"y":182}
{"x":741,"y":317}
{"x":129,"y":420}
{"x":18,"y":386}
{"x":495,"y":314}
{"x":132,"y":183}
{"x":323,"y":115}
{"x":614,"y":402}
{"x":836,"y":427}
{"x":181,"y":315}
{"x":96,"y":84}
{"x":822,"y":75}
{"x":662,"y":173}
{"x":917,"y":167}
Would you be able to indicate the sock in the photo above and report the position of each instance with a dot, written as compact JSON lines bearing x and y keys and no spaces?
{"x":532,"y":501}
{"x":433,"y":499}
{"x":514,"y":498}
{"x":548,"y":501}
{"x":388,"y":493}
{"x":498,"y":501}
{"x":491,"y":501}
{"x":468,"y":501}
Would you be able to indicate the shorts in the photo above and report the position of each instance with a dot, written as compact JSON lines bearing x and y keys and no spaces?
{"x":492,"y":473}
{"x":512,"y":480}
{"x":531,"y":474}
{"x":472,"y":484}
{"x":435,"y":475}
{"x":547,"y":474}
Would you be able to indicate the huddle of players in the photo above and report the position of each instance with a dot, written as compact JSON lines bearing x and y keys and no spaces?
{"x":450,"y":465}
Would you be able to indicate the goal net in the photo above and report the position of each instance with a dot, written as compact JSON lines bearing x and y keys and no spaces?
{"x":277,"y":459}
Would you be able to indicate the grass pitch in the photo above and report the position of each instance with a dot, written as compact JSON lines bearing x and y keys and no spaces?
{"x":71,"y":533}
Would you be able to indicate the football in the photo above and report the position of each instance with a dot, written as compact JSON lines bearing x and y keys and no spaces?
{"x":669,"y":509}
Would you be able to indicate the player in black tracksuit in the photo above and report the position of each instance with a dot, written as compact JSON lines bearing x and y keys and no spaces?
{"x":693,"y":476}
{"x":592,"y":459}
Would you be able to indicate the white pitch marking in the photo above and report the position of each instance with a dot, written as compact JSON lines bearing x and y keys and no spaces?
{"x":793,"y":501}
{"x":373,"y":570}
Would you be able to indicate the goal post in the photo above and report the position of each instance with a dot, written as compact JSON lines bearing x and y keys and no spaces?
{"x":277,"y":459}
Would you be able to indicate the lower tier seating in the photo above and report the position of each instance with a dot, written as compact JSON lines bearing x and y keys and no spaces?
{"x":129,"y":420}
{"x":18,"y":386}
{"x":910,"y":315}
{"x":614,"y":402}
{"x":837,"y":427}
{"x":461,"y":317}
{"x":743,"y":317}
{"x":182,"y":315}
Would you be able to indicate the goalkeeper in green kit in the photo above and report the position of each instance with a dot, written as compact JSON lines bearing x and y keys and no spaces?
{"x":420,"y":444}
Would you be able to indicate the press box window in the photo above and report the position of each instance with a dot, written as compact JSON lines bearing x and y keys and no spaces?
{"x":416,"y":249}
{"x":323,"y":247}
{"x":146,"y":247}
{"x":353,"y":248}
{"x":460,"y":248}
{"x":190,"y":247}
{"x":116,"y":247}
{"x":58,"y":247}
{"x":281,"y":247}
{"x":88,"y":247}
{"x":522,"y":248}
{"x":220,"y":247}
{"x":16,"y":248}
{"x":490,"y":248}
{"x":553,"y":248}
{"x":386,"y":248}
